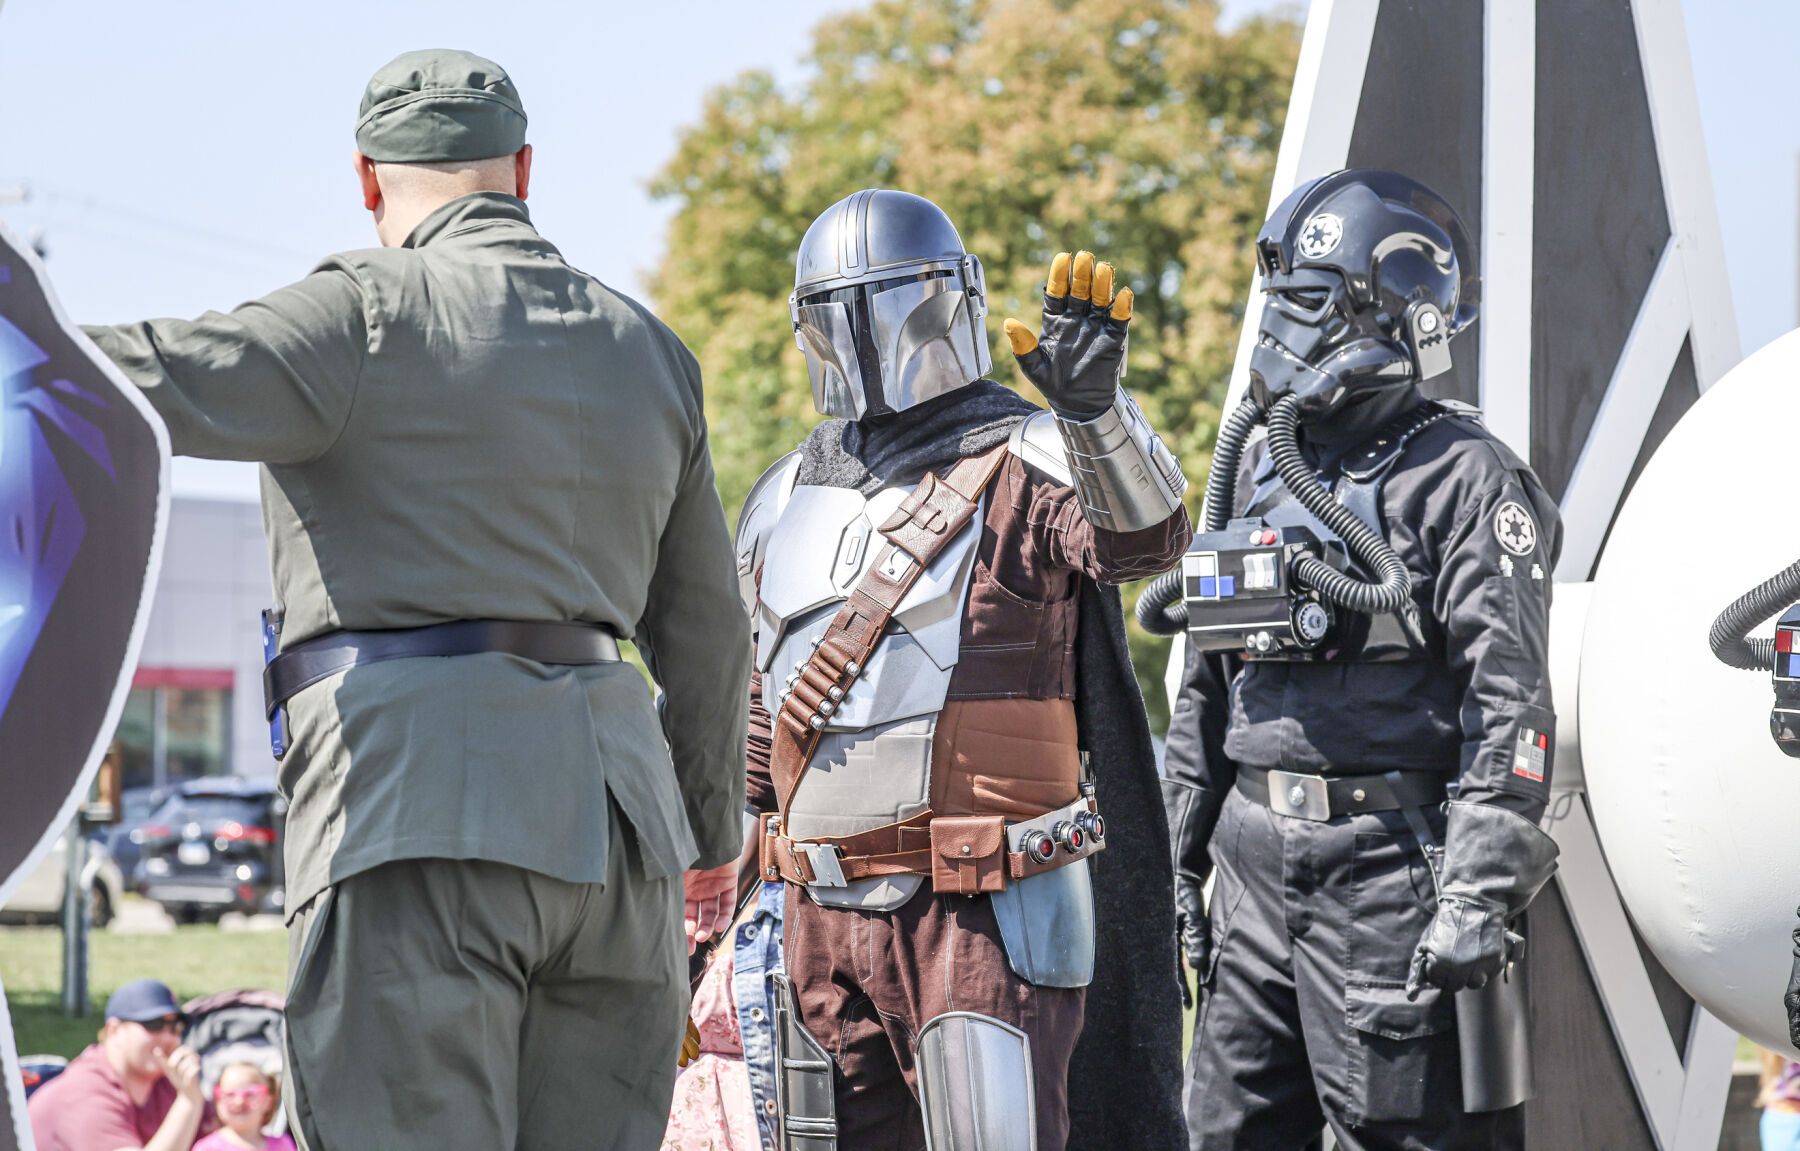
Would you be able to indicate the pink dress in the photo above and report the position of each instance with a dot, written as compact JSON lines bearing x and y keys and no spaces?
{"x":218,"y":1142}
{"x":712,"y":1110}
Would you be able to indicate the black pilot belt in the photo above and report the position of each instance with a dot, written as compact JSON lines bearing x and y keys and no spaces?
{"x":323,"y":656}
{"x":1319,"y":798}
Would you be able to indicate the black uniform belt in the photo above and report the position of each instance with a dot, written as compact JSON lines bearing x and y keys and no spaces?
{"x":1321,"y":798}
{"x":323,"y":656}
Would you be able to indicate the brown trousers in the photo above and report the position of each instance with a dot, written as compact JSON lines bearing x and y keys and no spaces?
{"x":867,"y":981}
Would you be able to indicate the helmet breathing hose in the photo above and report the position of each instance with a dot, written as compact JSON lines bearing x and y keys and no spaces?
{"x":1394,"y":586}
{"x":1160,"y":609}
{"x":1730,"y":632}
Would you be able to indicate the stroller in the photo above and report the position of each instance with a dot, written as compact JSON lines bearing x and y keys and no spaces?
{"x":237,"y":1027}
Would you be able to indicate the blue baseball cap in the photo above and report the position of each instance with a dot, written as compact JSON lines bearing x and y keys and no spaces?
{"x":141,"y":1001}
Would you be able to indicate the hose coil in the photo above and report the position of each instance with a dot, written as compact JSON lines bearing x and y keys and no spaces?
{"x":1160,"y":608}
{"x":1393,"y":587}
{"x":1730,"y":632}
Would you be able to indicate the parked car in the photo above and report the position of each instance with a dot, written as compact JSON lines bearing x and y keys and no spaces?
{"x":40,"y":898}
{"x":124,"y":839}
{"x":214,"y":846}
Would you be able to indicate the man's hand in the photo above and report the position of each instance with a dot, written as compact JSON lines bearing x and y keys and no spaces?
{"x":711,"y":902}
{"x":1792,"y":999}
{"x":1077,"y":360}
{"x":1466,"y":945}
{"x":1192,"y":923}
{"x":182,"y":1068}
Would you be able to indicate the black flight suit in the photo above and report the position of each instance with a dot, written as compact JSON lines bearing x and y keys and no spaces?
{"x":1303,"y":1019}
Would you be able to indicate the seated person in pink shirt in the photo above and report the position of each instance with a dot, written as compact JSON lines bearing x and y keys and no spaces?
{"x":245,"y":1100}
{"x":137,"y":1087}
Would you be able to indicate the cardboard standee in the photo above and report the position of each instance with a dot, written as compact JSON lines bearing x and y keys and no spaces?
{"x":84,"y":486}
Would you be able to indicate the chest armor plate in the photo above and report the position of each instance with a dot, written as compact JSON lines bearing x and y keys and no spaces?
{"x":820,"y":547}
{"x":873,"y":765}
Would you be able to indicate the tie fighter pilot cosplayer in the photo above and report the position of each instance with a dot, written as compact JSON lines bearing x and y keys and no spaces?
{"x":1360,"y":751}
{"x":947,"y":744}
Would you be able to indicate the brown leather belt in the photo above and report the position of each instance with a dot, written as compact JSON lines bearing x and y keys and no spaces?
{"x":962,"y":854}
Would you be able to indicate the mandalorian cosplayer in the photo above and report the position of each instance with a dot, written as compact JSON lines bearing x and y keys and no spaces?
{"x":943,"y":706}
{"x":1360,"y":750}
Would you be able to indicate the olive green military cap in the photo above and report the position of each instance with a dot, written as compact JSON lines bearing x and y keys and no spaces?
{"x":439,"y":104}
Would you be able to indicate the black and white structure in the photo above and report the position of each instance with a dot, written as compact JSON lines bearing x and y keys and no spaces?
{"x":84,"y":502}
{"x":1567,"y":134}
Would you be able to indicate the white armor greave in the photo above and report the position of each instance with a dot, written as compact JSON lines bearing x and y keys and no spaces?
{"x":1126,"y":477}
{"x":975,"y":1084}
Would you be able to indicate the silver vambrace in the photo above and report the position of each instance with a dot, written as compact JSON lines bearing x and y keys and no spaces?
{"x":1126,"y":478}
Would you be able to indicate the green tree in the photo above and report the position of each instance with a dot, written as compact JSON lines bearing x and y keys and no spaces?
{"x":1136,"y":128}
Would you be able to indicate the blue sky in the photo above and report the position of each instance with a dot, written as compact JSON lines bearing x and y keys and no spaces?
{"x":194,"y":154}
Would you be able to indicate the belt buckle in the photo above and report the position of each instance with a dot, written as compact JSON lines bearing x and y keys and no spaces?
{"x":823,"y":860}
{"x":1298,"y":795}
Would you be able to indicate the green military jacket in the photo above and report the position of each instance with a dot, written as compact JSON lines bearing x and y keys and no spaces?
{"x":465,"y":427}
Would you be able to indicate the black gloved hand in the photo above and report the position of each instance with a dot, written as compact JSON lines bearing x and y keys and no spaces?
{"x":1495,"y":861}
{"x":1466,"y":945}
{"x":1192,"y":925}
{"x":1077,"y":360}
{"x":1792,"y":998}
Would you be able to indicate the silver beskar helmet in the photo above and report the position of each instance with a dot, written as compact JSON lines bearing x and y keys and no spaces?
{"x":887,"y":306}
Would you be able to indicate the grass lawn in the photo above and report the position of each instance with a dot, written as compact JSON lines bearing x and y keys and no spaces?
{"x":192,"y":961}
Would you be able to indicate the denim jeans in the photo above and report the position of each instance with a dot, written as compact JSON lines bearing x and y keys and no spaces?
{"x":756,"y":952}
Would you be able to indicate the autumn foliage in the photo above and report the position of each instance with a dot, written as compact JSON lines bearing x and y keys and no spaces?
{"x":1137,"y":128}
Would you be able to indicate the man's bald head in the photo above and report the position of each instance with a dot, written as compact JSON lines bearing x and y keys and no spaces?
{"x":447,"y":179}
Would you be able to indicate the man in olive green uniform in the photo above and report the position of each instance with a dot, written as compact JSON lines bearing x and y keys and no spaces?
{"x":485,"y":851}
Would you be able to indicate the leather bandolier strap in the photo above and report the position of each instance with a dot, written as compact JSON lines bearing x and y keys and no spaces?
{"x":918,"y":531}
{"x":966,"y":853}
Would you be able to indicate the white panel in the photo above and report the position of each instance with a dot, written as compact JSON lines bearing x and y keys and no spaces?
{"x":13,"y":1084}
{"x":1624,"y":416}
{"x":1328,"y":83}
{"x":1509,"y":121}
{"x":1687,"y":184}
{"x":1612,"y":955}
{"x":1712,"y":1047}
{"x":1689,"y":794}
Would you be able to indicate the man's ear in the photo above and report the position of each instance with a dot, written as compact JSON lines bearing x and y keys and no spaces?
{"x":365,"y":173}
{"x":522,"y":171}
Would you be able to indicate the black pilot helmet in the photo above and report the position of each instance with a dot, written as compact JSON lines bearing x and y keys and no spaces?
{"x":1367,"y":276}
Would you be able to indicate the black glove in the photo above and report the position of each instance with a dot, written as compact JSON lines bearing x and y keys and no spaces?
{"x":1792,"y":998}
{"x":1495,"y":861}
{"x":1192,"y":924}
{"x":1078,"y":359}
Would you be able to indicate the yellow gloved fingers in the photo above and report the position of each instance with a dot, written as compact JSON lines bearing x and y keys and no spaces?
{"x":1121,"y":309}
{"x":690,"y":1045}
{"x":1059,"y":275}
{"x":1022,"y":338}
{"x":1103,"y":284}
{"x":1081,"y":275}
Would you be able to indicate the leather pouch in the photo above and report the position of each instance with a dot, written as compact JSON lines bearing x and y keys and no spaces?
{"x":968,"y":854}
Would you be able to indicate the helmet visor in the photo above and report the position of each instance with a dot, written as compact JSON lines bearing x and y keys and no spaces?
{"x":828,"y":338}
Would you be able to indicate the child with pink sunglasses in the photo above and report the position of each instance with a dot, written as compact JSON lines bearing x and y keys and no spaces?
{"x":245,"y":1100}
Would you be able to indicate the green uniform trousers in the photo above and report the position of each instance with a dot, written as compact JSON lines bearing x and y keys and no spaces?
{"x":443,"y":1003}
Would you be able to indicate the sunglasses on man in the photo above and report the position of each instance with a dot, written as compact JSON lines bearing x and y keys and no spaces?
{"x":173,"y":1023}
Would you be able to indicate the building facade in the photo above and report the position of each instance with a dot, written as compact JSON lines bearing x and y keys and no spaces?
{"x":195,"y":707}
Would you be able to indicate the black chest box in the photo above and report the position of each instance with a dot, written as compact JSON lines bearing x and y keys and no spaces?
{"x":1240,"y":593}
